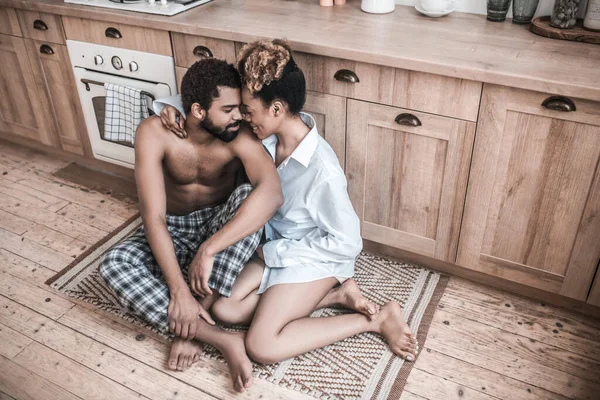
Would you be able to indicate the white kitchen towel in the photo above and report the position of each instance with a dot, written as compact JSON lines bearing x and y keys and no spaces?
{"x":126,"y":108}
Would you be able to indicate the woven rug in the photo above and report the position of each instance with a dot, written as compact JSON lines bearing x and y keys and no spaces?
{"x":361,"y":367}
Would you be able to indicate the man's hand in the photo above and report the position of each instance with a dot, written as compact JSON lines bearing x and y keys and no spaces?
{"x":168,"y":117}
{"x":184,"y":312}
{"x":199,"y":272}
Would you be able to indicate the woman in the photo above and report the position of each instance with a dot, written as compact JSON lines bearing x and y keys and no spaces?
{"x":313,"y":239}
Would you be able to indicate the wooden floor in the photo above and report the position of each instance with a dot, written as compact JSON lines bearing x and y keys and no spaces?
{"x":483,"y":343}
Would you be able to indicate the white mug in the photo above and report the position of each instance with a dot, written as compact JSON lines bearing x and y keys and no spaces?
{"x":378,"y":6}
{"x":436,"y":5}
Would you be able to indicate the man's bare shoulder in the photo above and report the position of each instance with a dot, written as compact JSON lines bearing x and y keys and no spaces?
{"x":151,"y":132}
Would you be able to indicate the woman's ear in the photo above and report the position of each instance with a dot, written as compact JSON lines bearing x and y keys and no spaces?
{"x":277,"y":108}
{"x":198,"y":111}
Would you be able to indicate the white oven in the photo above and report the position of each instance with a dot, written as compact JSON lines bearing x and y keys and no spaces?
{"x":94,"y":65}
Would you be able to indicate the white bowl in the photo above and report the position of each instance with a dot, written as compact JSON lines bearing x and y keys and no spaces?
{"x":434,"y":14}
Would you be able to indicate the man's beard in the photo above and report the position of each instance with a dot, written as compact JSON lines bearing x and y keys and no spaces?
{"x":223,"y":134}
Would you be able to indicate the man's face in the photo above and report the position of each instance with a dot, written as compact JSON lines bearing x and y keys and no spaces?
{"x":223,"y":118}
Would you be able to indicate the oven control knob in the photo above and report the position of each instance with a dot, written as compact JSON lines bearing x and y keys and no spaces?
{"x":133,"y":67}
{"x":117,"y":63}
{"x":98,"y":60}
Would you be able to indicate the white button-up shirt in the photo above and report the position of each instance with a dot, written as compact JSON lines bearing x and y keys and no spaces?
{"x":316,"y":233}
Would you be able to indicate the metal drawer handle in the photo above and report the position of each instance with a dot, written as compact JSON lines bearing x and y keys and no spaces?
{"x":40,"y":25}
{"x":408,"y":120}
{"x":113,"y":33}
{"x":202,"y":51}
{"x":559,"y":103}
{"x":345,"y":75}
{"x":45,"y":49}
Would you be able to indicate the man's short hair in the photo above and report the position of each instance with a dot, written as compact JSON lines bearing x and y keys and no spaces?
{"x":200,"y":83}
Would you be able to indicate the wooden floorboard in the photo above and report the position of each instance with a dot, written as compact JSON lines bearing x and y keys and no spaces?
{"x":483,"y":343}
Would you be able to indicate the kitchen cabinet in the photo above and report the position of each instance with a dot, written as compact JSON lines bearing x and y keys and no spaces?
{"x":41,"y":26}
{"x":187,"y":49}
{"x":594,"y":296}
{"x":407,"y":173}
{"x":532,"y":212}
{"x":53,"y":72}
{"x":122,"y":36}
{"x":329,"y":113}
{"x":9,"y":23}
{"x":22,"y":111}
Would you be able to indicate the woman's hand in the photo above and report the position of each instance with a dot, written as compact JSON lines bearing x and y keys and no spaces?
{"x":169,"y":117}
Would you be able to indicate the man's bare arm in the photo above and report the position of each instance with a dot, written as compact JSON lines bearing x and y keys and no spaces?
{"x":149,"y":176}
{"x":149,"y":153}
{"x":260,"y":205}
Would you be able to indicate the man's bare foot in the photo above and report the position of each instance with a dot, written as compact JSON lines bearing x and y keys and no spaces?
{"x":183,"y":354}
{"x":395,"y":330}
{"x":348,"y":295}
{"x":240,"y":366}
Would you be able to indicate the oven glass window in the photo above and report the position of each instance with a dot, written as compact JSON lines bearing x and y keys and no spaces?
{"x":99,"y":103}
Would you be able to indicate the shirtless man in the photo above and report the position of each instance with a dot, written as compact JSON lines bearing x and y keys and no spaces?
{"x":198,"y":220}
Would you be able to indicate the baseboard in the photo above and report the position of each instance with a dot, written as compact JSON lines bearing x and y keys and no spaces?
{"x":63,"y":155}
{"x":475,"y":276}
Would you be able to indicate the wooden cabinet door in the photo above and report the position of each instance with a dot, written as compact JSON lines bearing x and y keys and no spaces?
{"x":20,"y":104}
{"x":329,"y":113}
{"x":407,"y":179}
{"x":594,"y":296}
{"x":52,"y":68}
{"x":532,"y":213}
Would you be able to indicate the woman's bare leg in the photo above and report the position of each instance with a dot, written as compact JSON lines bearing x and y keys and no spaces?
{"x":348,"y":296}
{"x":238,"y":309}
{"x":281,"y":328}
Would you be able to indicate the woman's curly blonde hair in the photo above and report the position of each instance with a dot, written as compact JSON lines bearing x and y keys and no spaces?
{"x":263,"y":62}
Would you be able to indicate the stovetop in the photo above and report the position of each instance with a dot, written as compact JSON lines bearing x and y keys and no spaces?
{"x":162,"y":7}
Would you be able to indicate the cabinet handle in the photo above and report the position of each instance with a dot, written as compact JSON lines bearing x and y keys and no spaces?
{"x":559,"y":103}
{"x":40,"y":25}
{"x":202,"y":51}
{"x":113,"y":33}
{"x":408,"y":120}
{"x":45,"y":49}
{"x":345,"y":75}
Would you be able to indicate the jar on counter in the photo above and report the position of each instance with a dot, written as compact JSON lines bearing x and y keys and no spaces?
{"x":564,"y":13}
{"x":592,"y":16}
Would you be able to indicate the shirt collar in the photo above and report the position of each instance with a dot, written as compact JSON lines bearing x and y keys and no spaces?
{"x":305,"y":150}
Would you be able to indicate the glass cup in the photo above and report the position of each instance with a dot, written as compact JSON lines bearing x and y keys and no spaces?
{"x":497,"y":10}
{"x":523,"y":11}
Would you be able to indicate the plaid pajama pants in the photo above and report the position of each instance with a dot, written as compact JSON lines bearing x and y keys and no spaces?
{"x":131,"y":271}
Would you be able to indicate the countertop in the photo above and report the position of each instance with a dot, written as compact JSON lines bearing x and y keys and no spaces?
{"x":459,"y":45}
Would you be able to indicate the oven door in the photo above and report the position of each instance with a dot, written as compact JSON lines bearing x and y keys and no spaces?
{"x":93,"y":99}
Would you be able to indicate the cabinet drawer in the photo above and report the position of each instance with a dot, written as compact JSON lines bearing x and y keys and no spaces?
{"x":437,"y":94}
{"x":188,"y":49}
{"x":347,"y":78}
{"x":41,"y":26}
{"x":9,"y":24}
{"x":118,"y":35}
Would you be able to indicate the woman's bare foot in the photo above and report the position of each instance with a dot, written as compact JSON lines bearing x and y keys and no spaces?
{"x":395,"y":330}
{"x":240,"y":366}
{"x":183,"y":354}
{"x":348,"y":295}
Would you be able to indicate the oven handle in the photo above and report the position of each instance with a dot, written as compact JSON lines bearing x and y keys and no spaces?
{"x":88,"y":82}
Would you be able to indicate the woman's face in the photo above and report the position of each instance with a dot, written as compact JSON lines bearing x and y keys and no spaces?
{"x":261,"y":119}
